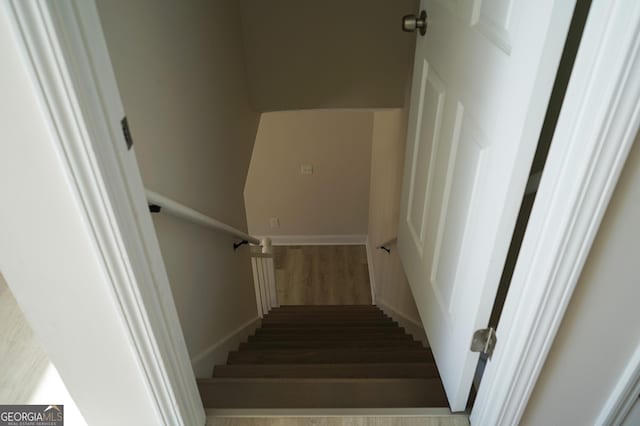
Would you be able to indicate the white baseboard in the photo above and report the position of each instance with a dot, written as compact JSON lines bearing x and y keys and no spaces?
{"x":217,"y":353}
{"x":372,"y":276}
{"x":410,"y":325}
{"x":316,"y":240}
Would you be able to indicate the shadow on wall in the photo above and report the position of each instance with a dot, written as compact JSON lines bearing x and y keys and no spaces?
{"x":181,"y":74}
{"x":328,"y":54}
{"x":387,"y":161}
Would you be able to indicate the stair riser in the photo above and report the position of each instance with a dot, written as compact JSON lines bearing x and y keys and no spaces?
{"x":386,"y":370}
{"x":351,"y":331}
{"x":346,"y":308}
{"x":332,"y":344}
{"x":277,"y":311}
{"x":333,"y":324}
{"x":328,"y":322}
{"x":299,"y":356}
{"x":335,"y":393}
{"x":329,"y":337}
{"x":328,"y":317}
{"x":287,"y":317}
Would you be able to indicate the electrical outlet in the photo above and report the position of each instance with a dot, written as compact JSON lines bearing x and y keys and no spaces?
{"x":306,"y":169}
{"x":274,"y":222}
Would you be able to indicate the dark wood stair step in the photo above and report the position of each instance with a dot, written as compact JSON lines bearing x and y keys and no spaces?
{"x":323,"y":308}
{"x":382,"y":370}
{"x":328,"y":317}
{"x":321,"y":320}
{"x":284,"y":344}
{"x":317,"y":316}
{"x":326,"y":308}
{"x":325,"y":311}
{"x":321,"y":393}
{"x":289,"y":337}
{"x":328,"y":356}
{"x":322,"y":311}
{"x":336,"y":324}
{"x":332,"y":331}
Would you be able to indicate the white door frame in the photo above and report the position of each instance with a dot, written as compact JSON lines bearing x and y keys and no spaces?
{"x":596,"y":128}
{"x":625,"y":394}
{"x":65,"y":49}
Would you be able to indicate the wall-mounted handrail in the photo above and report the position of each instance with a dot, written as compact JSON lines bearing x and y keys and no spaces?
{"x":177,"y":209}
{"x":386,"y":246}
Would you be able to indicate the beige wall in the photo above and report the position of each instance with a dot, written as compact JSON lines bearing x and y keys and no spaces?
{"x":387,"y":161}
{"x":601,"y":328}
{"x":327,"y":54}
{"x":180,"y":69}
{"x":334,"y":200}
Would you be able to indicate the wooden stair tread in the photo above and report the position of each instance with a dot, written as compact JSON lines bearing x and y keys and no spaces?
{"x":307,"y":330}
{"x":324,"y":311}
{"x":334,"y":324}
{"x":326,"y":318}
{"x":364,"y":344}
{"x":384,"y":370}
{"x":329,"y":337}
{"x":321,"y":393}
{"x":334,"y":317}
{"x":319,"y":356}
{"x":325,"y":307}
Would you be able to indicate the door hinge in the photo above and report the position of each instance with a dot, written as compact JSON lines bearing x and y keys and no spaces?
{"x":126,"y":132}
{"x":484,"y":341}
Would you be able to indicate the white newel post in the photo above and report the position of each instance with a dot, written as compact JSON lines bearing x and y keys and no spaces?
{"x":264,"y":278}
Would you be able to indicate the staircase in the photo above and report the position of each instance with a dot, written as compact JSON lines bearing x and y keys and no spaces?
{"x":344,"y":356}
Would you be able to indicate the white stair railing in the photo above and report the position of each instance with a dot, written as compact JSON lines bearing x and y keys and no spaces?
{"x":264,"y":280}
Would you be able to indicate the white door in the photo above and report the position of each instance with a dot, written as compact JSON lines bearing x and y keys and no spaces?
{"x":482,"y":78}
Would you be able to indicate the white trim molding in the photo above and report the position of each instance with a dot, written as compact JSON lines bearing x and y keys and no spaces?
{"x":372,"y":270}
{"x":66,"y":55}
{"x":595,"y":130}
{"x":317,"y":240}
{"x":624,"y":395}
{"x":217,"y":353}
{"x":411,"y":326}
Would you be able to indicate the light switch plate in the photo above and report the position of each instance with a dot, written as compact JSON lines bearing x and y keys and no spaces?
{"x":306,"y":169}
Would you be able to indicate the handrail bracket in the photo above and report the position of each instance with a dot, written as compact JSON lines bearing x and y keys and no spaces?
{"x":239,"y":244}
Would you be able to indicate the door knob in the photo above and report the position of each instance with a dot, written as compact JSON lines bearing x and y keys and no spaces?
{"x":410,"y":23}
